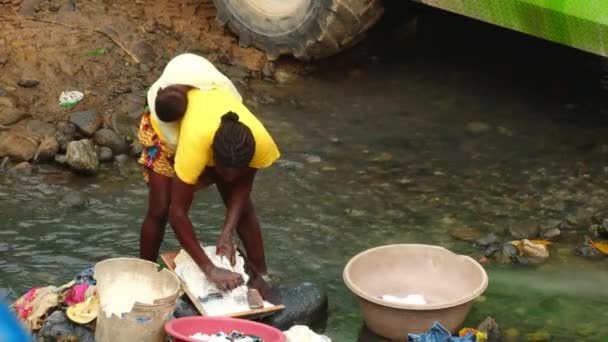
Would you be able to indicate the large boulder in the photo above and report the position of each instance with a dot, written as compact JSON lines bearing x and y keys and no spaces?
{"x":305,"y":304}
{"x":57,"y":327}
{"x":82,"y":157}
{"x":108,"y":138}
{"x":17,"y":146}
{"x":87,"y":122}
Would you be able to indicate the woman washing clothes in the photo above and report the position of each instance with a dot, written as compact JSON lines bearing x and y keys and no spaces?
{"x":197,"y":133}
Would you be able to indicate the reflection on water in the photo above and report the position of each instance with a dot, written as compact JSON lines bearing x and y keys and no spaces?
{"x":378,"y":148}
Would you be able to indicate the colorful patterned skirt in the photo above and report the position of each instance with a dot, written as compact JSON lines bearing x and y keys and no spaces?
{"x":157,"y":156}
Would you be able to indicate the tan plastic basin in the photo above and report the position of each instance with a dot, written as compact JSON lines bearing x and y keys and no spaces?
{"x":449,"y":283}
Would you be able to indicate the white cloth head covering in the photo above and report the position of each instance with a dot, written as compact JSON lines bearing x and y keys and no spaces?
{"x":187,"y":69}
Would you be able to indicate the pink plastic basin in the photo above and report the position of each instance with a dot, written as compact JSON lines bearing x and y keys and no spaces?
{"x":180,"y":329}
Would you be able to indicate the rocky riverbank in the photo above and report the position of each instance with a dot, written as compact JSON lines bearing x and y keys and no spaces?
{"x":111,"y":53}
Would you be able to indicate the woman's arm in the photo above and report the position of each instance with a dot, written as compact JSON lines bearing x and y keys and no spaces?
{"x":182,"y":195}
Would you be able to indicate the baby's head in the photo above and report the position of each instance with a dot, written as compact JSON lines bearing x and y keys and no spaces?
{"x":171,"y":102}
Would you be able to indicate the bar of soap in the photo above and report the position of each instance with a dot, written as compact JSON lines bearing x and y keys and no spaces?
{"x":254,"y":299}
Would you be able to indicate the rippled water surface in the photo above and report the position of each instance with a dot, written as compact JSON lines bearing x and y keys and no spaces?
{"x":376,"y":150}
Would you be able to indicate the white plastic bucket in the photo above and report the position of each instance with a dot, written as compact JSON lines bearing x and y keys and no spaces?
{"x":145,"y":322}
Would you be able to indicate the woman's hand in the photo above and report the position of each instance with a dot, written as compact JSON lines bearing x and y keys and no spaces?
{"x":226,"y":249}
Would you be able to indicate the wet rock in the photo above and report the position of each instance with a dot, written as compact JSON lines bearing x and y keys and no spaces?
{"x":268,"y":69}
{"x":40,"y":128}
{"x":30,"y":7}
{"x":478,"y":127}
{"x":355,"y":212}
{"x":587,"y":251}
{"x":235,"y":72}
{"x":283,"y":76}
{"x":534,"y":250}
{"x":594,"y":231}
{"x":548,"y":225}
{"x":490,"y":327}
{"x":5,"y":161}
{"x":565,"y":226}
{"x":61,"y":159}
{"x":313,"y":159}
{"x":144,"y":52}
{"x":105,"y":154}
{"x":21,"y":169}
{"x":185,"y":308}
{"x":66,"y":132}
{"x":522,"y":260}
{"x":73,"y":200}
{"x":487,"y":240}
{"x":504,"y":131}
{"x":87,"y":123}
{"x":511,"y":335}
{"x":263,"y":99}
{"x":57,"y":327}
{"x":551,"y":234}
{"x":289,"y":164}
{"x":305,"y":304}
{"x":383,"y":157}
{"x":82,"y":157}
{"x":28,"y":83}
{"x":121,"y":158}
{"x":67,"y":128}
{"x":538,"y":336}
{"x":47,"y":150}
{"x":509,"y":250}
{"x":124,"y":125}
{"x":598,"y":217}
{"x":17,"y":146}
{"x":586,"y":329}
{"x":524,"y":231}
{"x":136,"y":149}
{"x":602,"y":230}
{"x":465,"y":233}
{"x":493,"y":248}
{"x":582,"y":141}
{"x":572,"y":220}
{"x":108,"y":138}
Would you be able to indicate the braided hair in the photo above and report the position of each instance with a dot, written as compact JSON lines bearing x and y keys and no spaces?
{"x":233,"y":143}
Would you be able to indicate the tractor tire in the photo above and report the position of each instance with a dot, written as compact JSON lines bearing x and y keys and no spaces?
{"x":307,"y":29}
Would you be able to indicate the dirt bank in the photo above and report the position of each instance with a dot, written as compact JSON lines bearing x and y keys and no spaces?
{"x":110,"y":51}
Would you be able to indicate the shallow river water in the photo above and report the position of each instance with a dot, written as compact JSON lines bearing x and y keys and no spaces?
{"x":376,"y":149}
